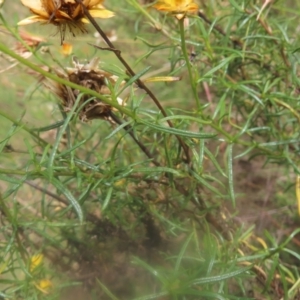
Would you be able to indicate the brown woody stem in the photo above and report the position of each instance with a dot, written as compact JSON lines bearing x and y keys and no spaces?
{"x":129,"y":129}
{"x":139,"y":82}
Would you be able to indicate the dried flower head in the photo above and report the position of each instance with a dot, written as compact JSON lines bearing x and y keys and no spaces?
{"x":24,"y":48}
{"x":31,"y":41}
{"x":89,"y":76}
{"x":179,"y":8}
{"x":65,"y":14}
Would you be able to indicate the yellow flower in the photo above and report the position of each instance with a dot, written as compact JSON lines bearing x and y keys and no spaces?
{"x":35,"y":261}
{"x":65,"y":14}
{"x":177,"y":7}
{"x":66,"y":49}
{"x":44,"y":285}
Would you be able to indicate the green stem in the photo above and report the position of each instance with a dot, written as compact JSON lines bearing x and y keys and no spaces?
{"x":66,"y":82}
{"x":121,"y":108}
{"x":188,"y":64}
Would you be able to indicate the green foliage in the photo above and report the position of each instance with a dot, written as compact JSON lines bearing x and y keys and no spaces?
{"x":142,"y":200}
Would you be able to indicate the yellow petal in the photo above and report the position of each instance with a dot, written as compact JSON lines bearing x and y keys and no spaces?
{"x":67,"y":49}
{"x":77,"y":11}
{"x":162,"y":79}
{"x":50,"y":6}
{"x":31,"y":20}
{"x":36,"y":4}
{"x":193,"y":7}
{"x":84,"y":20}
{"x":44,"y":285}
{"x":162,"y":6}
{"x":61,"y":14}
{"x":35,"y":261}
{"x":41,"y":13}
{"x":167,"y":2}
{"x":101,"y":13}
{"x":176,"y":6}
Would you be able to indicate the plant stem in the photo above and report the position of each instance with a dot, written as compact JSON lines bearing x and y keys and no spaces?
{"x":188,"y":63}
{"x":139,"y":82}
{"x":81,"y":88}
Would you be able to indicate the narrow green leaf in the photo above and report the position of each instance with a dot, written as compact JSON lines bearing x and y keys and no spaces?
{"x":60,"y":135}
{"x":223,"y":63}
{"x":186,"y":118}
{"x":157,"y":169}
{"x":59,"y":185}
{"x":214,"y":279}
{"x":150,"y":269}
{"x":272,"y":267}
{"x":107,"y":199}
{"x":230,"y":174}
{"x":278,"y":143}
{"x":180,"y":132}
{"x":153,"y":296}
{"x":119,"y":128}
{"x":14,"y":129}
{"x":215,"y":162}
{"x":182,"y":251}
{"x":293,"y":253}
{"x":206,"y":184}
{"x":236,"y":5}
{"x":66,"y":152}
{"x":49,"y":127}
{"x":10,"y":179}
{"x":294,"y":290}
{"x":106,"y":290}
{"x":134,"y":78}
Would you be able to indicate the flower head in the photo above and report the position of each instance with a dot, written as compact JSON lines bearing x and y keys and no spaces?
{"x":177,"y":7}
{"x":23,"y":47}
{"x":65,"y":14}
{"x":44,"y":285}
{"x":89,"y":76}
{"x":35,"y":261}
{"x":66,"y":49}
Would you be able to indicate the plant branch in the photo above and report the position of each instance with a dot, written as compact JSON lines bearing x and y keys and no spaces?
{"x":129,"y":129}
{"x":139,"y":82}
{"x":188,"y":63}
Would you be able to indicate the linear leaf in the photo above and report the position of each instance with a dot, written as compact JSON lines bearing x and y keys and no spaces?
{"x":180,"y":132}
{"x":222,"y":277}
{"x":59,"y":185}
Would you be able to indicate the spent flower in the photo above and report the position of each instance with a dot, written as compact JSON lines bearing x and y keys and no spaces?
{"x":89,"y":76}
{"x":65,"y":14}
